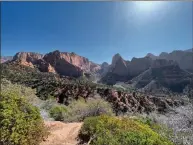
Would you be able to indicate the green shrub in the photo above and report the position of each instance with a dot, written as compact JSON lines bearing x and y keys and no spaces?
{"x":161,"y":129}
{"x":49,"y":103}
{"x":57,"y":112}
{"x":79,"y":110}
{"x":20,"y":122}
{"x":106,"y":130}
{"x":28,"y":93}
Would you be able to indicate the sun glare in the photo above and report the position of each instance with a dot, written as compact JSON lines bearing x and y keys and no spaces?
{"x":147,"y":5}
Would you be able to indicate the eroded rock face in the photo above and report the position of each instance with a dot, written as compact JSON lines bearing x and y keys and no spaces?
{"x":183,"y":58}
{"x":120,"y":67}
{"x":139,"y":65}
{"x":117,"y":71}
{"x":115,"y":58}
{"x":94,"y":67}
{"x":135,"y":102}
{"x":165,"y":74}
{"x":122,"y":102}
{"x":122,"y":70}
{"x":63,"y":63}
{"x":27,"y":58}
{"x":45,"y":66}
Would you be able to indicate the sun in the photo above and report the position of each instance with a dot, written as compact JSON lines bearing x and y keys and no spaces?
{"x":147,"y":5}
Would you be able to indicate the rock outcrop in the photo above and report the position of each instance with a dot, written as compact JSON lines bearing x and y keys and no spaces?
{"x":165,"y":73}
{"x":152,"y":56}
{"x":136,"y":102}
{"x":27,"y":58}
{"x":122,"y":70}
{"x":174,"y":64}
{"x":120,"y":67}
{"x":117,"y":71}
{"x":183,"y":58}
{"x":139,"y":65}
{"x":45,"y":66}
{"x":94,"y":67}
{"x":121,"y":101}
{"x":63,"y":63}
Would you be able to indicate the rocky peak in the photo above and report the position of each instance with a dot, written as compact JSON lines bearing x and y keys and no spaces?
{"x":104,"y":65}
{"x":120,"y":67}
{"x":152,"y":56}
{"x":115,"y":58}
{"x":27,"y":58}
{"x":183,"y":58}
{"x":163,"y":55}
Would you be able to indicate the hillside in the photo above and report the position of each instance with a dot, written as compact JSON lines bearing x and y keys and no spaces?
{"x":74,"y":99}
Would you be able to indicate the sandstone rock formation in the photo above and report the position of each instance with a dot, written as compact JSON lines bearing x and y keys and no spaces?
{"x":139,"y":65}
{"x":152,"y":56}
{"x":94,"y":67}
{"x":119,"y":66}
{"x":122,"y":70}
{"x":120,"y":100}
{"x":174,"y":62}
{"x":27,"y":58}
{"x":136,"y":102}
{"x":63,"y":63}
{"x":165,"y":73}
{"x":45,"y":66}
{"x":183,"y":58}
{"x":117,"y":71}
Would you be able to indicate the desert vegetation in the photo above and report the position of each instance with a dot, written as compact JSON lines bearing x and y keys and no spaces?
{"x":103,"y":109}
{"x":78,"y":110}
{"x":110,"y":130}
{"x":21,"y":122}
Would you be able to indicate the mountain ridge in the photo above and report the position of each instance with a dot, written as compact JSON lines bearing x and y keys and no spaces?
{"x":175,"y":64}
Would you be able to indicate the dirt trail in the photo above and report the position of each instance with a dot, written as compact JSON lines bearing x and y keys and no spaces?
{"x":62,"y":133}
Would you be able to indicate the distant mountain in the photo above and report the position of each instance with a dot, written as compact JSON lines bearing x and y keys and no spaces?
{"x":189,"y":50}
{"x":152,"y":56}
{"x":168,"y":70}
{"x":6,"y":58}
{"x":122,"y":70}
{"x":63,"y":63}
{"x":183,"y":58}
{"x":164,"y":73}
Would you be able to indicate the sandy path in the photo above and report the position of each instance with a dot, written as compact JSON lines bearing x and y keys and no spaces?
{"x":62,"y":133}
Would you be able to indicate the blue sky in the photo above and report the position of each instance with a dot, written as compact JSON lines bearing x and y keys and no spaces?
{"x":96,"y":30}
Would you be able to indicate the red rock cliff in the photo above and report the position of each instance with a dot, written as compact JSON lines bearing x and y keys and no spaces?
{"x":68,"y":64}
